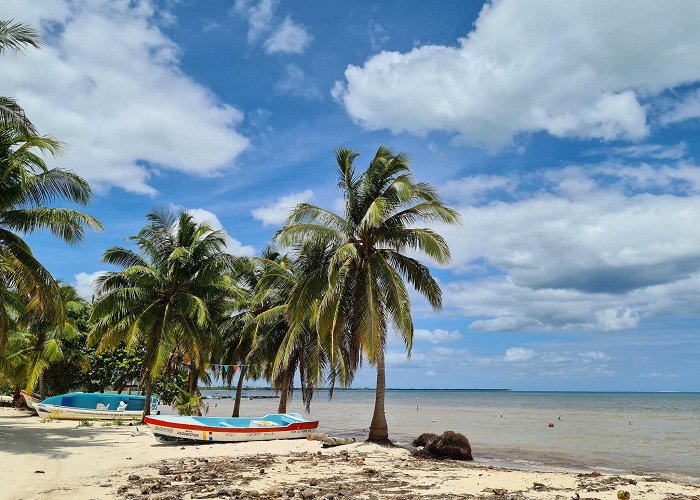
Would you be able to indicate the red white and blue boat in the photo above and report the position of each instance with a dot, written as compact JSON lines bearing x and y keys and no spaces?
{"x":227,"y":430}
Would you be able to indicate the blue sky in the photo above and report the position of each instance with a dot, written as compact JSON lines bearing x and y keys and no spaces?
{"x":566,"y":134}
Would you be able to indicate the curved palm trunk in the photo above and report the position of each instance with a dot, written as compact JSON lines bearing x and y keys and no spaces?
{"x":239,"y":391}
{"x":378,"y":429}
{"x":284,"y":395}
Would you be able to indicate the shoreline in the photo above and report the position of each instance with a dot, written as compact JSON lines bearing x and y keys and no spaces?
{"x":97,"y":462}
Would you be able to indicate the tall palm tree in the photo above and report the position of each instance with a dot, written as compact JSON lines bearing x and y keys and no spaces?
{"x":14,"y":38}
{"x":363,"y":289}
{"x":28,"y":186}
{"x":166,"y":295}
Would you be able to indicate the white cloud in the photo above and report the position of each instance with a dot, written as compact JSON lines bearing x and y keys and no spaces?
{"x":687,"y":108}
{"x":277,"y":211}
{"x":289,"y":38}
{"x":259,"y":15}
{"x":297,"y":83}
{"x":519,"y":355}
{"x":650,"y":151}
{"x":599,"y":248}
{"x":285,"y":37}
{"x":117,"y":96}
{"x":233,"y":246}
{"x":437,"y":336}
{"x":534,"y":66}
{"x":84,"y":284}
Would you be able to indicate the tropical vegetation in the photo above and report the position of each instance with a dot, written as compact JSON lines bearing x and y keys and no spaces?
{"x":311,"y":308}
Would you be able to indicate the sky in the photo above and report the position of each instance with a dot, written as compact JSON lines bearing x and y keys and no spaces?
{"x":565,"y":134}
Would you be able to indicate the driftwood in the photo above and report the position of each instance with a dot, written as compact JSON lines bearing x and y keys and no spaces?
{"x":334,"y":441}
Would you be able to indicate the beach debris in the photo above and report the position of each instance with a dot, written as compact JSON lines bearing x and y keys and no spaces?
{"x":496,"y":491}
{"x":336,"y":441}
{"x":316,"y":436}
{"x":39,"y":472}
{"x":589,"y":474}
{"x":550,"y":424}
{"x":360,"y":461}
{"x":123,"y":489}
{"x":345,"y":455}
{"x":450,"y":445}
{"x":424,"y":439}
{"x":623,"y":495}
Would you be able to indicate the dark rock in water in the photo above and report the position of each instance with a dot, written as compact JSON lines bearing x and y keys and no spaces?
{"x":424,"y":439}
{"x":450,"y":445}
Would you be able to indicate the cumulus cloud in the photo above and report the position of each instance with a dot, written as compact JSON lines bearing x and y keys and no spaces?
{"x":534,"y":66}
{"x":599,"y":247}
{"x":84,"y":284}
{"x":277,"y":211}
{"x":118,"y":96}
{"x":233,"y":246}
{"x":286,"y":36}
{"x":437,"y":336}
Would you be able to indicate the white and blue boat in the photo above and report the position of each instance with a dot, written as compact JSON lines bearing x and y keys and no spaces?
{"x":93,"y":405}
{"x":227,"y":430}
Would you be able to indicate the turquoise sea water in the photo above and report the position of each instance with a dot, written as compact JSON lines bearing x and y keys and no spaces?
{"x":595,"y":430}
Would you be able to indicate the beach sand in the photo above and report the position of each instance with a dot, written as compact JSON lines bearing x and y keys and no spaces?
{"x":61,"y":460}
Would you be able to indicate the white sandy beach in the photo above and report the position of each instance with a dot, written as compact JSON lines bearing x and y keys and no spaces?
{"x":61,"y":460}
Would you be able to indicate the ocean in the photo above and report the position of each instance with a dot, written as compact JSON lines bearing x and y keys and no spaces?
{"x":647,"y":432}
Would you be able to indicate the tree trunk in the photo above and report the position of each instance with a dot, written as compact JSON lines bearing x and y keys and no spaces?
{"x":378,"y":429}
{"x":239,"y":392}
{"x":42,"y":386}
{"x":284,"y":394}
{"x":193,"y":378}
{"x":147,"y":402}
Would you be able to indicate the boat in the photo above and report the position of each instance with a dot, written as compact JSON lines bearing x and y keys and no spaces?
{"x":31,"y":398}
{"x":93,"y":406}
{"x":168,"y":428}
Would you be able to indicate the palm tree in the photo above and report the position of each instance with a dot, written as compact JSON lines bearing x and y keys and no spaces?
{"x":28,"y":186}
{"x":40,"y":343}
{"x":363,"y":289}
{"x":15,"y":37}
{"x":166,"y":295}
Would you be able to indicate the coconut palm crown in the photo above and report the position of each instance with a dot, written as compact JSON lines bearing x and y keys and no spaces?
{"x":363,"y":290}
{"x":167,"y":295}
{"x":28,"y":187}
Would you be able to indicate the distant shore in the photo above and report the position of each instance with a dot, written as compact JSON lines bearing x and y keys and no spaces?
{"x":66,"y":461}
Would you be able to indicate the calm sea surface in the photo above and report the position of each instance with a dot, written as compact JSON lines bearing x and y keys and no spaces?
{"x":511,"y":427}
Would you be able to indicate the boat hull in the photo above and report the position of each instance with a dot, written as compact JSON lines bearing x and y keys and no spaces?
{"x":30,"y":399}
{"x":169,"y":429}
{"x":69,"y":413}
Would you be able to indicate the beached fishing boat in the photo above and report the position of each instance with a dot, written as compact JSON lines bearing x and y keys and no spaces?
{"x":226,"y":430}
{"x":30,"y":398}
{"x":93,"y":405}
